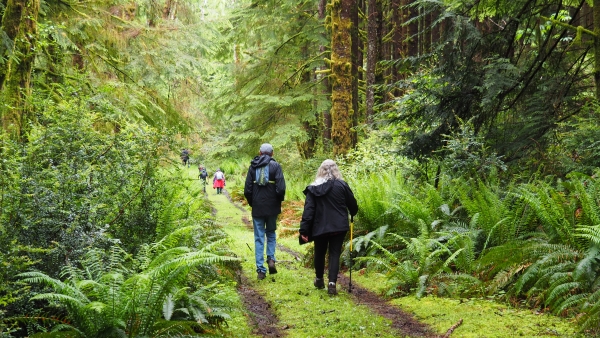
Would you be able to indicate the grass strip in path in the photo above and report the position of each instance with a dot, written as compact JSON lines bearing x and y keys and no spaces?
{"x":303,"y":310}
{"x":262,"y":320}
{"x":402,"y":322}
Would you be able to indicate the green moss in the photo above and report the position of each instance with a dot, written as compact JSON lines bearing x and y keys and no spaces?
{"x":481,"y":318}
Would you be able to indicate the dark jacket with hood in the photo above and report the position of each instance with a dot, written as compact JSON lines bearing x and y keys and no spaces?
{"x":265,"y":200}
{"x":326,"y":208}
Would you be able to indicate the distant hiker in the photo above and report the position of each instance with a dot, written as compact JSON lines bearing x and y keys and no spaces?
{"x":325,"y":220}
{"x":265,"y":190}
{"x":219,"y":181}
{"x":202,"y":175}
{"x":185,"y":157}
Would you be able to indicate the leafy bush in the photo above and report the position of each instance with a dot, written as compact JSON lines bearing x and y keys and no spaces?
{"x":73,"y":185}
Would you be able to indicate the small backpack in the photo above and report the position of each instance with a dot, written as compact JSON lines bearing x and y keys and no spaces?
{"x":219,"y":175}
{"x":262,"y":175}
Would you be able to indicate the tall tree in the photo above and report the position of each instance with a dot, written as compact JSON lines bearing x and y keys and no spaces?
{"x":373,"y":55}
{"x":19,"y":23}
{"x":326,"y":91}
{"x":342,"y":112}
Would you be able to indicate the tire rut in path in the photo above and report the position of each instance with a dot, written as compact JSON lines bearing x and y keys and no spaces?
{"x":401,"y":321}
{"x":263,"y":321}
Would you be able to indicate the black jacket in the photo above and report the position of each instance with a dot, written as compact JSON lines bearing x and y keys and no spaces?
{"x":265,"y":200}
{"x":326,"y":208}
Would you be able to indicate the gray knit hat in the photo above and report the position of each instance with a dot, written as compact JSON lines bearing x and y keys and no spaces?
{"x":266,"y":148}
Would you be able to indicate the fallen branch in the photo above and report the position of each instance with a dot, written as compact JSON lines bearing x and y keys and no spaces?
{"x":451,"y":329}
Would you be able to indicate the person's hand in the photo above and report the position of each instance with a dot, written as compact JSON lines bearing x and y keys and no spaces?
{"x":304,"y":238}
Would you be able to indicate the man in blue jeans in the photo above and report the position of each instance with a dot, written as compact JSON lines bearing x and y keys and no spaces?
{"x":265,"y":190}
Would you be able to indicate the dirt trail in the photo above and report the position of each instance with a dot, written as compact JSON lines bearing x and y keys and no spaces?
{"x":266,"y":322}
{"x":263,"y":320}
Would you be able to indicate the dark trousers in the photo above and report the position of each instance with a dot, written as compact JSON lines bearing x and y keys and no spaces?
{"x":334,"y":243}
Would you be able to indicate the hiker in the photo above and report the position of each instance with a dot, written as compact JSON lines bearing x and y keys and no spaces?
{"x":185,"y":157}
{"x":265,"y":190}
{"x":325,"y":220}
{"x":219,"y":181}
{"x":202,"y":175}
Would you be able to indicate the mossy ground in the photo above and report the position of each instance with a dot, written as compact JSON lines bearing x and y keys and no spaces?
{"x":304,"y":311}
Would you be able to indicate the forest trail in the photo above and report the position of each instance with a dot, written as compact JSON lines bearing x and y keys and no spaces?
{"x":286,"y":304}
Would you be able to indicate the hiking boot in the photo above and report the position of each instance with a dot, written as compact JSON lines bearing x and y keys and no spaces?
{"x":261,"y":275}
{"x":319,"y":283}
{"x":331,"y":289}
{"x":271,"y":264}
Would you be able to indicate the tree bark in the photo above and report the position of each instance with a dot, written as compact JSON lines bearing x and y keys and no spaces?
{"x":326,"y":91}
{"x":357,"y":60}
{"x":341,"y":72}
{"x":20,"y":24}
{"x":596,"y":9}
{"x":311,"y":128}
{"x":373,"y":55}
{"x":411,"y":38}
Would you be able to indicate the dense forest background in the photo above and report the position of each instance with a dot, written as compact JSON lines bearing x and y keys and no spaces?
{"x":467,"y":129}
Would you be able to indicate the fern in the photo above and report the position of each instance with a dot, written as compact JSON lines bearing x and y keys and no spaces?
{"x":118,"y":299}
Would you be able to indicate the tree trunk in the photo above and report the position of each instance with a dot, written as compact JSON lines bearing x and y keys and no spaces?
{"x":341,"y":73}
{"x":311,"y":128}
{"x":596,"y":9}
{"x":326,"y":91}
{"x":397,"y":43}
{"x":411,"y":37}
{"x":373,"y":55}
{"x":357,"y":60}
{"x":20,"y":24}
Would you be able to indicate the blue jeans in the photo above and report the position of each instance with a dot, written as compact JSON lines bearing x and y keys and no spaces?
{"x":264,"y":227}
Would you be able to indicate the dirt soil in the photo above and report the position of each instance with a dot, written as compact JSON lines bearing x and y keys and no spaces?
{"x":263,"y":320}
{"x":403,"y":322}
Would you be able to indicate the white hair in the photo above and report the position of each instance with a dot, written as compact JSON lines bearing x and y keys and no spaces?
{"x":327,"y":171}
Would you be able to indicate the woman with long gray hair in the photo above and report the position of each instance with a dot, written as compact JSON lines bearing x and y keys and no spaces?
{"x":325,"y":220}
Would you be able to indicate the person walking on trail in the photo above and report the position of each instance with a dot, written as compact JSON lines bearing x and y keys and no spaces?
{"x":219,"y":181}
{"x":264,"y":190}
{"x":325,"y":220}
{"x":202,"y":175}
{"x":185,"y":157}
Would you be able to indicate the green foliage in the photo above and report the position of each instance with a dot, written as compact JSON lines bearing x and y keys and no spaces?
{"x":465,"y":154}
{"x":502,"y":79}
{"x":275,"y":95}
{"x":110,"y":295}
{"x":502,"y":216}
{"x":73,"y":184}
{"x":577,"y":148}
{"x":429,"y":263}
{"x":559,"y":265}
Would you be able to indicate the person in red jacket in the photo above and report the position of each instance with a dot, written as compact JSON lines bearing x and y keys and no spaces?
{"x":325,"y":220}
{"x":219,"y":181}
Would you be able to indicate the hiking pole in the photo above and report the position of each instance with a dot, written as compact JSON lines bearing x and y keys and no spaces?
{"x":351,"y":260}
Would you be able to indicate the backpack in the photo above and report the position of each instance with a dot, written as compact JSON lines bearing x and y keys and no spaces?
{"x":203,"y":173}
{"x":219,"y":175}
{"x":262,"y":175}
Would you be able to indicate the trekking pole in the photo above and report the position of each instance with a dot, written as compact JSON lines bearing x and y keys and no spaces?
{"x":351,"y":260}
